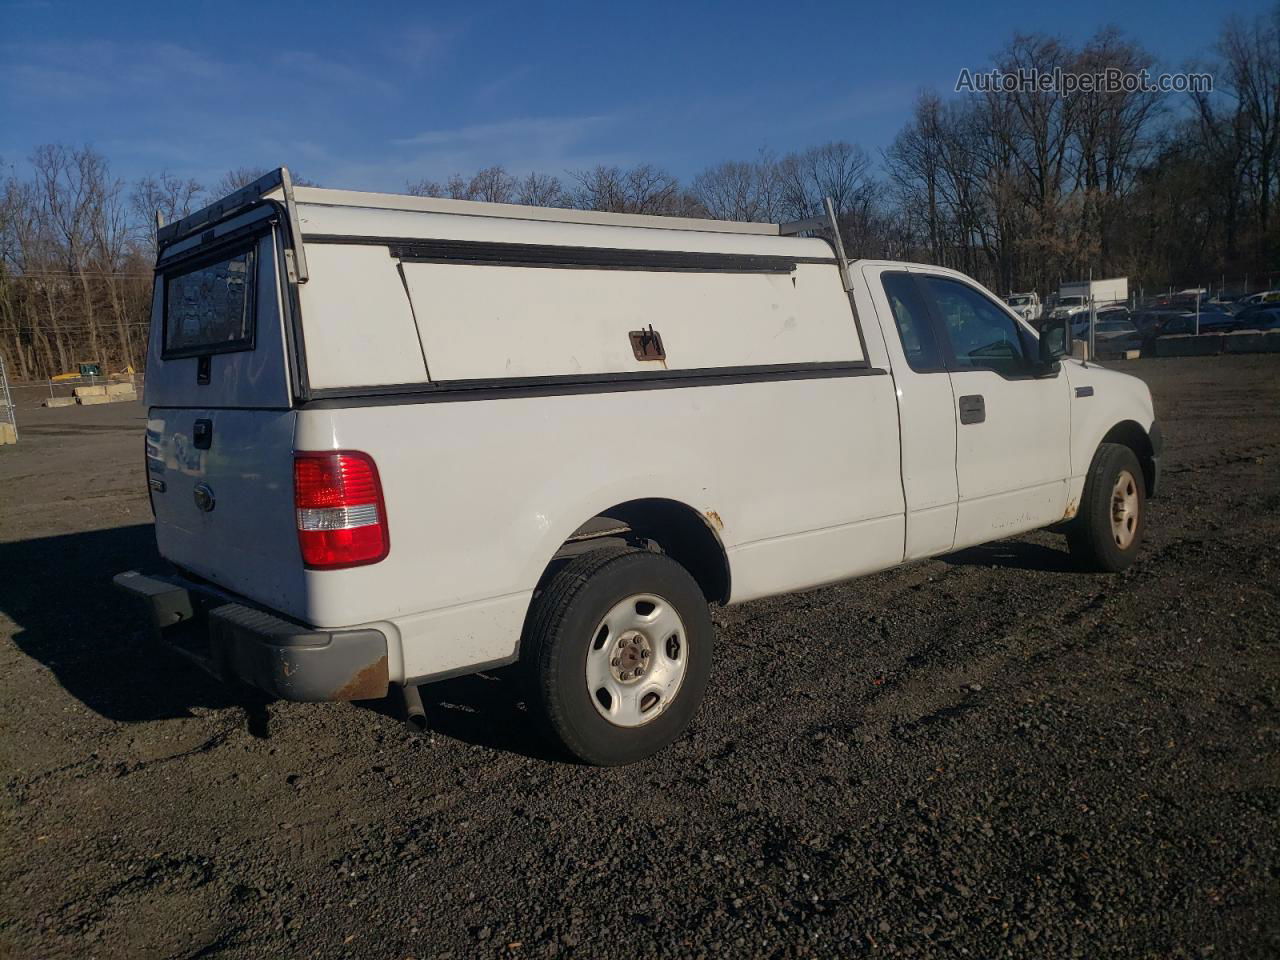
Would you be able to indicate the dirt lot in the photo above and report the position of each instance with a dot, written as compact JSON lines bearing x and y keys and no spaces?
{"x":983,"y":755}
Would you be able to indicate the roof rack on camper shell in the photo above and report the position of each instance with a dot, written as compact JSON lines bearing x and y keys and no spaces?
{"x":277,"y":181}
{"x":279,"y":185}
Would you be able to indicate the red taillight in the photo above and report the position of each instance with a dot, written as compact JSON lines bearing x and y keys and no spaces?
{"x":342,"y":521}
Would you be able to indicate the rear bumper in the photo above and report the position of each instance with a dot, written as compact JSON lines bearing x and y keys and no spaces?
{"x":234,"y":641}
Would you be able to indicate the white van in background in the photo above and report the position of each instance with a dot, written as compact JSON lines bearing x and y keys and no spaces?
{"x":1074,"y":298}
{"x":395,"y":439}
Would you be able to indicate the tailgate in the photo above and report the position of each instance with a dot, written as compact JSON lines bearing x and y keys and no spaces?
{"x":222,"y":489}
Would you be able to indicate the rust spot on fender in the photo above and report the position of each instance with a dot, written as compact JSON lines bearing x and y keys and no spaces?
{"x":1072,"y":509}
{"x":370,"y":683}
{"x":714,"y":519}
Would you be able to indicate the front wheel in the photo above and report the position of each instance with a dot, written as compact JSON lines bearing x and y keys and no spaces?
{"x":619,"y":642}
{"x":1107,"y":532}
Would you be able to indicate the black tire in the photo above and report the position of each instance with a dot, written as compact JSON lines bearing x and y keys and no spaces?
{"x":562,"y":626}
{"x":1091,"y":536}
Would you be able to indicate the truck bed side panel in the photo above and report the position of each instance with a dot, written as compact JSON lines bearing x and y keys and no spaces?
{"x":480,"y":493}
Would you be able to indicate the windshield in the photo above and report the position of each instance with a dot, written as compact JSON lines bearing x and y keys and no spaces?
{"x":1070,"y":301}
{"x":1019,"y":301}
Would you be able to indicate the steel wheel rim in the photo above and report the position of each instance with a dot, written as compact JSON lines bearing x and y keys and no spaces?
{"x":636,"y":660}
{"x":1124,"y":510}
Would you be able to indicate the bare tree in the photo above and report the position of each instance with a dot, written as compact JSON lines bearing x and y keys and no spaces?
{"x":741,"y":190}
{"x":170,"y":196}
{"x":1251,"y":57}
{"x":492,"y":185}
{"x":458,"y":187}
{"x":233,"y":180}
{"x":1036,"y":138}
{"x":914,"y":163}
{"x":643,"y":188}
{"x":424,"y":188}
{"x":70,"y":184}
{"x":541,"y":190}
{"x":1111,"y":134}
{"x":839,"y":170}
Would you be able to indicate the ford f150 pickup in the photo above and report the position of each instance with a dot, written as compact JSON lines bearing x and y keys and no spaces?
{"x":395,"y":439}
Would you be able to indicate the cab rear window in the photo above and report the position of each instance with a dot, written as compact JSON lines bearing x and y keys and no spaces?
{"x":209,"y":305}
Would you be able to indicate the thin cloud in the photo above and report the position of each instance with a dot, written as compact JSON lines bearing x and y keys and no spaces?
{"x":106,"y":70}
{"x":419,"y":45}
{"x":524,"y":129}
{"x":552,"y":145}
{"x":324,"y":71}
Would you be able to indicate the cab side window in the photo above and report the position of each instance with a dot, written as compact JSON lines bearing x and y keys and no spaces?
{"x":981,"y":335}
{"x":912,"y":319}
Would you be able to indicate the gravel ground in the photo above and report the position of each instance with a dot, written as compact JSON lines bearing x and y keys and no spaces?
{"x":983,"y":755}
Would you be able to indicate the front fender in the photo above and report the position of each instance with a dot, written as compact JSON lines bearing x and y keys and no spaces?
{"x":1101,"y":401}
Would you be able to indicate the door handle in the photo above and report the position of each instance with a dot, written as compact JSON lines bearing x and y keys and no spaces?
{"x":973,"y":408}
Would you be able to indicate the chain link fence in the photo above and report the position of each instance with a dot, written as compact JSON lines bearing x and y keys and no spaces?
{"x":76,"y":391}
{"x":8,"y":414}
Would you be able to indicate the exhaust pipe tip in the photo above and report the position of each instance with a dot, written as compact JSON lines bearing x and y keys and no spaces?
{"x":415,"y":715}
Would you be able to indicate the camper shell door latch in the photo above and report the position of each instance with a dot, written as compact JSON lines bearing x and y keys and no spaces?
{"x":647,"y":344}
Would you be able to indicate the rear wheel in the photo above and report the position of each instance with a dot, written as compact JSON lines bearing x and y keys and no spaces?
{"x":619,"y":643}
{"x":1108,"y":531}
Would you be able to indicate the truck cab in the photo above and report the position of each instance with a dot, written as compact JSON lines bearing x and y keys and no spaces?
{"x":396,"y":439}
{"x":1025,"y":305}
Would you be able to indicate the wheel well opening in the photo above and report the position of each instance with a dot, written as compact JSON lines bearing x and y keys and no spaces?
{"x":674,"y":528}
{"x":1136,"y":439}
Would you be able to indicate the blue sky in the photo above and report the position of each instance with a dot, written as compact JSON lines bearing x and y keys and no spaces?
{"x":370,"y":95}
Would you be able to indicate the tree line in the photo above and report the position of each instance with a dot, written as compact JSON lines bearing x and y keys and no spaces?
{"x":1018,"y":188}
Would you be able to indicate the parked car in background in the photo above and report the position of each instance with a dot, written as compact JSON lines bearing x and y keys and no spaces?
{"x":1258,"y":316}
{"x":1227,"y":302}
{"x":1117,"y":331}
{"x":1152,"y":318}
{"x":1116,"y":334}
{"x":1214,"y":318}
{"x":1266,"y":296}
{"x":1167,"y":324}
{"x":1080,"y":323}
{"x":1171,"y":323}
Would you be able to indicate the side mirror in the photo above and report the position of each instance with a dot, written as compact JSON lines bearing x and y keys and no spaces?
{"x":1055,"y":341}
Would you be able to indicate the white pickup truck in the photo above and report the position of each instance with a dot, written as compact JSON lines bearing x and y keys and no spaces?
{"x":394,"y":439}
{"x":1025,"y":305}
